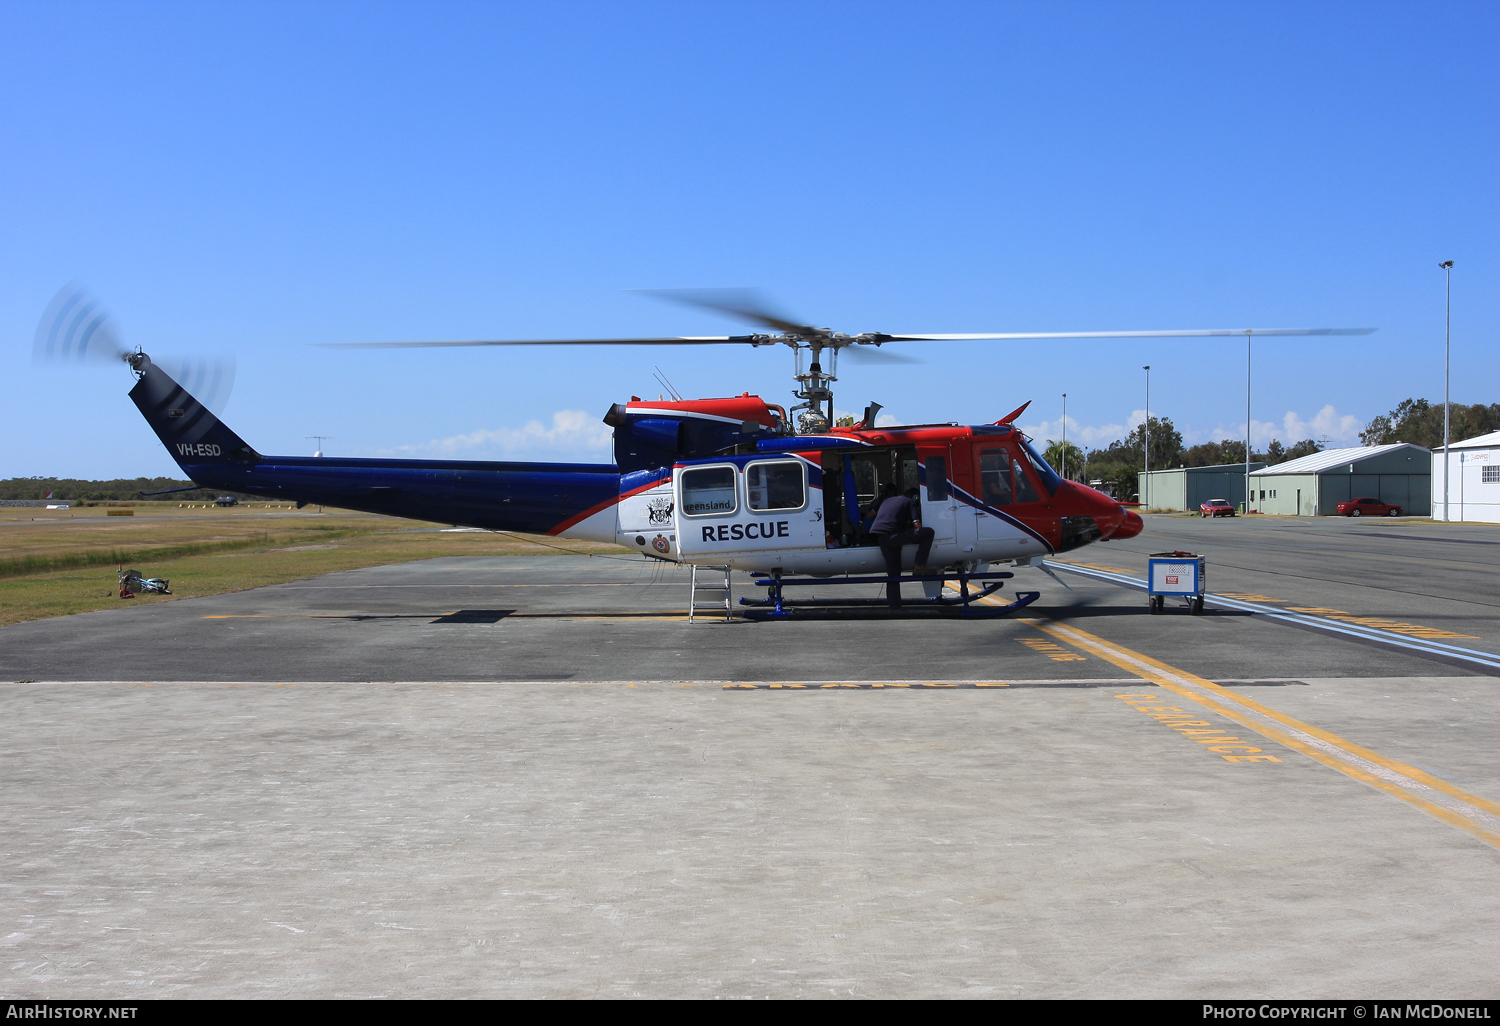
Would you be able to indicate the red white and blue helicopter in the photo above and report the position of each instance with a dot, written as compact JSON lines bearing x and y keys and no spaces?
{"x":732,"y":482}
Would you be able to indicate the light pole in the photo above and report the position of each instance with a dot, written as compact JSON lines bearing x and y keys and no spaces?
{"x":1247,"y":420}
{"x":1447,"y":266}
{"x":1065,"y":437}
{"x":1147,"y":497}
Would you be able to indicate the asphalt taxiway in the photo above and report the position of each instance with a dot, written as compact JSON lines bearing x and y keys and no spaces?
{"x":529,"y":776}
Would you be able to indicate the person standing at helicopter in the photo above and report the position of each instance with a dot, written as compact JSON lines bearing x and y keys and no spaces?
{"x":898,"y":523}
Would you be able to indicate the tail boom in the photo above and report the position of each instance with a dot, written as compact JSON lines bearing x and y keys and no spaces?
{"x":531,"y":497}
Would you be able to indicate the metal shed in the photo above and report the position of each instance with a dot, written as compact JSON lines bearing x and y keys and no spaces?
{"x":1400,"y":473}
{"x":1189,"y":487}
{"x":1473,"y":480}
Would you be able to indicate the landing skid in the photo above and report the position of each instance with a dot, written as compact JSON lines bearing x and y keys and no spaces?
{"x":775,"y":606}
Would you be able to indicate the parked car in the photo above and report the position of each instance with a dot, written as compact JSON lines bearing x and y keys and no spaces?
{"x":1216,"y":508}
{"x":1368,"y":507}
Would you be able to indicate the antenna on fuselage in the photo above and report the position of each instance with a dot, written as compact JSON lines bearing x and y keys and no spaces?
{"x":661,"y":378}
{"x":320,"y":438}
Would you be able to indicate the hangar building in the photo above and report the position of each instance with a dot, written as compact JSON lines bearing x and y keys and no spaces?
{"x":1313,"y":486}
{"x":1473,"y":480}
{"x":1190,"y":487}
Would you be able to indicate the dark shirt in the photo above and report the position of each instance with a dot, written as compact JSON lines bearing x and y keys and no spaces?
{"x":895,"y":515}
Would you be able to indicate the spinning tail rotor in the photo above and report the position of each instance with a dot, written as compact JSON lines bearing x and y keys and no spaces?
{"x":76,"y":330}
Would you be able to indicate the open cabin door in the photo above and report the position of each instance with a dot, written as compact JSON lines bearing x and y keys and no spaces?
{"x":745,"y":508}
{"x":853,"y":480}
{"x":951,"y":521}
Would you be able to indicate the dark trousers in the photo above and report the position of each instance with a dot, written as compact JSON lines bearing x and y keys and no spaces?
{"x":890,"y":547}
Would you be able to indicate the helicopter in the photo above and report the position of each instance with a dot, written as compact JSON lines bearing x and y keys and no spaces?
{"x":734,"y":483}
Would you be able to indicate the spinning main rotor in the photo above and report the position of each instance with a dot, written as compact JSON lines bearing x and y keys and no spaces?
{"x":75,"y":329}
{"x":815,"y":377}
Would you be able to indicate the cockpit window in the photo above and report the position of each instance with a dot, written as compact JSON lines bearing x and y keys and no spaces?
{"x":1049,"y":477}
{"x":994,"y":476}
{"x":1025,"y":490}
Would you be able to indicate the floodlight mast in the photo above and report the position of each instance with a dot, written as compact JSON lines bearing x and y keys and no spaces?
{"x":1248,"y":333}
{"x":1447,"y":266}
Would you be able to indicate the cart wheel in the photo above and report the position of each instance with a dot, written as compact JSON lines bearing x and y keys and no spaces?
{"x":1197,"y":606}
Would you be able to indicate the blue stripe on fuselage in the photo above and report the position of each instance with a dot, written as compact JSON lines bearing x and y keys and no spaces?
{"x":532,"y":497}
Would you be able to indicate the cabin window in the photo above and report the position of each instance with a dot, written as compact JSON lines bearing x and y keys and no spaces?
{"x":707,"y":491}
{"x":776,"y":485}
{"x":866,"y":480}
{"x":994,"y":476}
{"x":937,"y":478}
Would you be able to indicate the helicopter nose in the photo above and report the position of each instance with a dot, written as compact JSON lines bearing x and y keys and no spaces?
{"x":1130,"y":525}
{"x":1113,"y":520}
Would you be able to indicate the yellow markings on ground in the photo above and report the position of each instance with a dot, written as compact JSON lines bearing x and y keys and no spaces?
{"x":1097,"y":566}
{"x":1438,"y":798}
{"x":1218,"y":740}
{"x":867,"y":685}
{"x":1378,"y":623}
{"x":1052,"y":650}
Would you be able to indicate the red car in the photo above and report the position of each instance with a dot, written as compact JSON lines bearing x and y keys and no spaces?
{"x":1216,"y":508}
{"x":1368,"y":506}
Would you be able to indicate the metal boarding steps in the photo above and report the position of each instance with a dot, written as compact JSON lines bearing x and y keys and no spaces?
{"x":720,"y":588}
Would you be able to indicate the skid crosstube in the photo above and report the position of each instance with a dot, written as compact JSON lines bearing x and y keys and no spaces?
{"x":775,"y":606}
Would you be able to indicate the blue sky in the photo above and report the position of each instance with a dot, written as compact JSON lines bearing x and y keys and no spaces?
{"x":256,"y":178}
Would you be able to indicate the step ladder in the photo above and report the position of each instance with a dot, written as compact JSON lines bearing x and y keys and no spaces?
{"x":712,"y":585}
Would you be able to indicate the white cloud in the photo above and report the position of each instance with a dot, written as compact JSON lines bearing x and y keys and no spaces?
{"x":574,"y":434}
{"x":1085,"y":436}
{"x":1326,"y":423}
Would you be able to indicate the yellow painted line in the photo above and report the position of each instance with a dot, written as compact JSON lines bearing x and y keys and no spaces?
{"x":1096,"y":566}
{"x":866,"y":685}
{"x":1479,"y":816}
{"x":1378,"y":623}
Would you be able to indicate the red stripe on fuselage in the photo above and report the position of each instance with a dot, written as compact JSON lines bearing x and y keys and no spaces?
{"x":579,"y":518}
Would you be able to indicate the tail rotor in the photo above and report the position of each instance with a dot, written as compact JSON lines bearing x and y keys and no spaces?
{"x":77,"y":330}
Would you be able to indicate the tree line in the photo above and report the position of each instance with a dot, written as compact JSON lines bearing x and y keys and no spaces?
{"x":1117,"y":465}
{"x":124,"y":489}
{"x":1421,"y":423}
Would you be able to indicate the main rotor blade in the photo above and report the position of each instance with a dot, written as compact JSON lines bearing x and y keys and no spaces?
{"x":871,"y":355}
{"x":681,"y":340}
{"x":746,"y":304}
{"x":1198,"y":333}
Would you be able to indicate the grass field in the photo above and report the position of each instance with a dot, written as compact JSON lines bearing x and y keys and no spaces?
{"x":59,"y":562}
